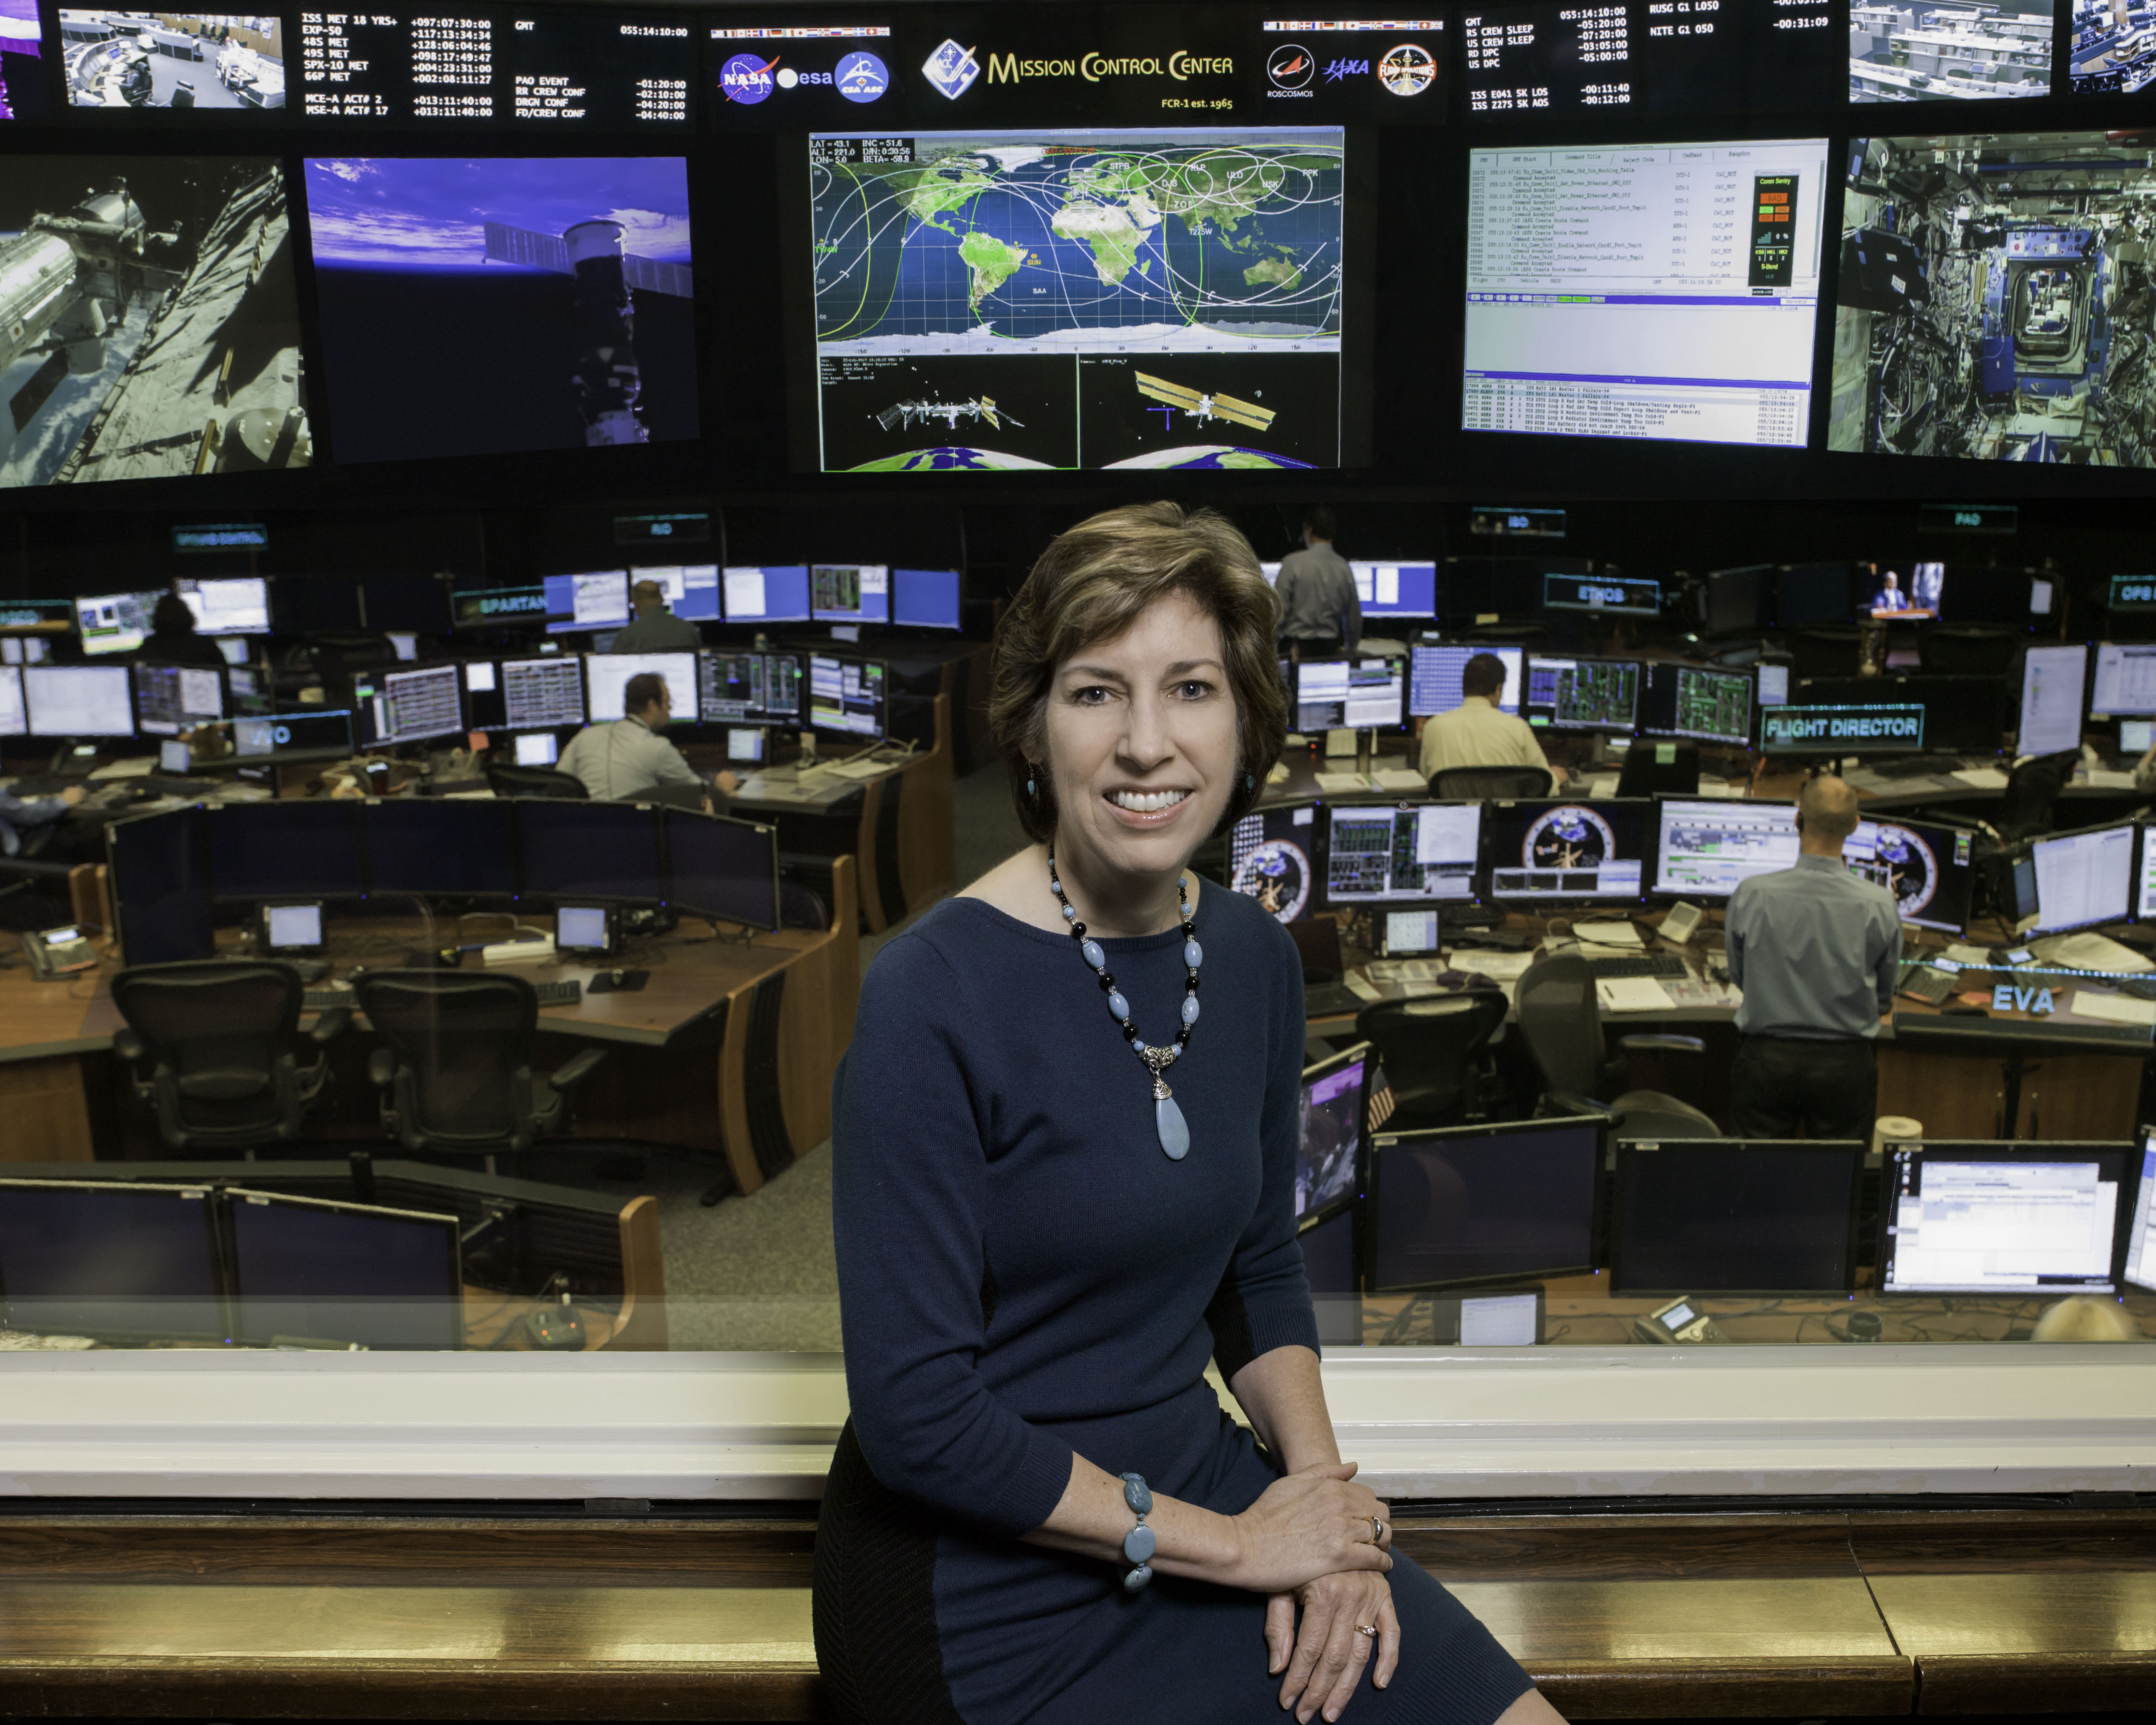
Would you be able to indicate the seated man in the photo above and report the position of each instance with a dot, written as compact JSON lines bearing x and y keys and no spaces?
{"x":629,"y":757}
{"x":19,"y":814}
{"x":656,"y":629}
{"x":1477,"y":733}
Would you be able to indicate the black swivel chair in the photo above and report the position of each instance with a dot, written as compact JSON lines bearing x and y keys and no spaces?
{"x":456,"y":1073}
{"x":1432,"y":1047}
{"x":1967,"y":650}
{"x":215,"y":1047}
{"x":2032,"y":788}
{"x":1829,"y":650}
{"x":505,"y":780}
{"x":1477,"y":784}
{"x":1562,"y":1021}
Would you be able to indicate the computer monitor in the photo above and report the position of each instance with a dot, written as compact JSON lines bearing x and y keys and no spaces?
{"x":1329,"y":1118}
{"x":1549,"y":850}
{"x":744,"y":688}
{"x":2082,"y":879}
{"x":405,"y":644}
{"x":318,"y":1269}
{"x":14,"y":717}
{"x":1417,"y":853}
{"x":1612,"y":595}
{"x":1931,"y":870}
{"x":691,"y":590}
{"x":259,"y":735}
{"x":116,"y":622}
{"x":1576,"y":694}
{"x":1811,"y":727}
{"x":77,"y":700}
{"x":1459,"y":1205}
{"x":295,"y":847}
{"x":846,"y":696}
{"x":535,"y":748}
{"x":234,"y":605}
{"x":2141,"y":1234}
{"x":1434,"y":676}
{"x":583,"y":851}
{"x":767,"y":592}
{"x":411,"y":706}
{"x":1984,"y":1217}
{"x":2125,"y":685}
{"x":1491,"y":588}
{"x":607,"y":675}
{"x":543,"y":693}
{"x":1898,"y":592}
{"x":1963,"y":714}
{"x":118,"y":1263}
{"x":159,"y":872}
{"x":1808,"y":595}
{"x":1773,"y":686}
{"x":1359,"y":694}
{"x":1983,"y":593}
{"x":848,"y":593}
{"x":1737,"y":599}
{"x":1705,"y":849}
{"x":1395,"y":589}
{"x":925,"y":599}
{"x":1332,"y":1265}
{"x":1276,"y":857}
{"x":722,"y":868}
{"x":417,"y":603}
{"x":2053,"y":696}
{"x":173,"y":698}
{"x":1697,"y":701}
{"x":234,"y":647}
{"x":598,"y":599}
{"x":449,"y":847}
{"x":1410,"y":934}
{"x":1722,"y":1216}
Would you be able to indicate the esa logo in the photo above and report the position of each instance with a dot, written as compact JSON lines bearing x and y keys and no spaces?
{"x":1346,"y":68}
{"x":788,"y":78}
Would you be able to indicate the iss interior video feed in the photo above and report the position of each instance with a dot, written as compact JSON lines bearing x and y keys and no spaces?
{"x":149,"y":326}
{"x":538,"y":303}
{"x":1105,"y":298}
{"x":21,"y":71}
{"x":175,"y":61}
{"x":1908,"y":51}
{"x":1996,"y":300}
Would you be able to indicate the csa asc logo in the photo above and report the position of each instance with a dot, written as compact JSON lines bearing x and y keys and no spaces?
{"x":1408,"y":70}
{"x":747,"y":79}
{"x":952,"y":68}
{"x":1291,"y":66}
{"x":862,"y":78}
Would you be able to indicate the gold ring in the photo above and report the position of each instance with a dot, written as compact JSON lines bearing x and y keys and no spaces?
{"x":1366,"y":1628}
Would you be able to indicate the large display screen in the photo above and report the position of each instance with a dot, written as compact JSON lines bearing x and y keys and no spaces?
{"x":1974,"y":314}
{"x":22,"y":73}
{"x":2000,"y":49}
{"x":224,"y":63}
{"x":94,"y":250}
{"x":545,"y":303}
{"x":1104,"y":298}
{"x":1642,"y":291}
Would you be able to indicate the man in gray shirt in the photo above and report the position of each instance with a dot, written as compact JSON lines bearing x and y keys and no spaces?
{"x":1818,"y":953}
{"x":656,"y":629}
{"x":629,"y":757}
{"x":1320,"y":613}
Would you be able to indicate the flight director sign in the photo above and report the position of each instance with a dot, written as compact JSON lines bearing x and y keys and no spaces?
{"x":1841,"y":730}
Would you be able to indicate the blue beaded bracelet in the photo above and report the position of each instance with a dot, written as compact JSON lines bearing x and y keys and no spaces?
{"x":1139,"y":1543}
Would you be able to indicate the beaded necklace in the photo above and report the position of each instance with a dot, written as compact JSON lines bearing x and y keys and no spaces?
{"x":1168,"y":1119}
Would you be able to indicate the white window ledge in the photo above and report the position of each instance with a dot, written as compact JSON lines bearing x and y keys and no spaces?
{"x":1424,"y":1422}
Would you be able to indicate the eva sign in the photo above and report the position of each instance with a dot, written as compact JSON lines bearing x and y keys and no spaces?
{"x":2006,"y":998}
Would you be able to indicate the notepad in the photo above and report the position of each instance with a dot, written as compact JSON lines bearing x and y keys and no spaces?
{"x":1400,"y":778}
{"x":1982,"y":778}
{"x":2117,"y":1008}
{"x":1730,"y":791}
{"x":1607,"y":934}
{"x":1334,"y":784}
{"x":1632,"y":994}
{"x":1979,"y":955}
{"x":2102,"y":778}
{"x":1603,"y":784}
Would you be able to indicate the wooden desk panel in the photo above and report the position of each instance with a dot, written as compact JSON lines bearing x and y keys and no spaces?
{"x":2001,"y":1643}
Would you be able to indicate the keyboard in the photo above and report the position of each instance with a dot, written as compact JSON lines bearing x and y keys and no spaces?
{"x":326,"y":999}
{"x":1661,"y":966}
{"x":568,"y":994}
{"x":1931,"y":987}
{"x":27,"y":788}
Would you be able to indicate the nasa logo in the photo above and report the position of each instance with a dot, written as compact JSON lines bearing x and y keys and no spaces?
{"x":1345,"y":68}
{"x":1408,"y":70}
{"x":747,"y":79}
{"x":1291,"y":66}
{"x":952,"y":68}
{"x":862,"y":78}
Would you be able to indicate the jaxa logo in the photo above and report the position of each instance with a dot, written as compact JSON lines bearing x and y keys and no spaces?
{"x":1346,"y":68}
{"x":952,"y":68}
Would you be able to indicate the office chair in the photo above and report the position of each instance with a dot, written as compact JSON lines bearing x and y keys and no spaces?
{"x":1432,"y":1048}
{"x":505,"y":779}
{"x":336,"y":655}
{"x":799,"y":907}
{"x":1829,"y":650}
{"x":2032,"y":788}
{"x":1562,"y":1021}
{"x":1646,"y":774}
{"x":1967,"y":650}
{"x":1475,"y":784}
{"x":456,"y":1074}
{"x":221,"y":1040}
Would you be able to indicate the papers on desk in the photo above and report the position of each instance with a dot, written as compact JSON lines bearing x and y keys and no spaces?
{"x":1632,"y":994}
{"x":1498,"y":967}
{"x":1980,"y":957}
{"x":1603,"y":784}
{"x":2102,"y":778}
{"x":1362,"y":989}
{"x":1982,"y":778}
{"x":2116,"y":1009}
{"x":861,"y":767}
{"x":1400,"y":778}
{"x":134,"y":767}
{"x":1608,"y":934}
{"x":1728,"y":790}
{"x":1334,"y":784}
{"x":2091,"y":952}
{"x":1406,"y":970}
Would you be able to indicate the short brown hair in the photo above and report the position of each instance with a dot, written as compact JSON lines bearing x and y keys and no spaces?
{"x":1484,"y":674}
{"x":642,"y":690}
{"x":1091,"y":585}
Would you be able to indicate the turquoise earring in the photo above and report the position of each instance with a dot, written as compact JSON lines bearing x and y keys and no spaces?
{"x":1028,"y":779}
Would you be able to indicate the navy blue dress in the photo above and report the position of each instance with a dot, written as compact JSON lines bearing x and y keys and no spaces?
{"x":1024,"y":1274}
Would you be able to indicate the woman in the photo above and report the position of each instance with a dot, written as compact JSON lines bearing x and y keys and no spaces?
{"x":1042,"y":1239}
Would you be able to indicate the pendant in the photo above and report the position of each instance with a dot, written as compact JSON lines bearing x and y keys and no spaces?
{"x":1168,"y":1119}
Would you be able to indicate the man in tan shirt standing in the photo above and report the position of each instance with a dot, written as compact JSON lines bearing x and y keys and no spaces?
{"x":1476,"y":733}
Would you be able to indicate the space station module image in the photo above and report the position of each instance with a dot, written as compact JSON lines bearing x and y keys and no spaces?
{"x":1903,"y":52}
{"x":2114,"y":47}
{"x":1995,"y":301}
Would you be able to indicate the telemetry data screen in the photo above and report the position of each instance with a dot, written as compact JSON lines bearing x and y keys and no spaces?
{"x":1658,"y":291}
{"x":1433,"y":678}
{"x":1396,"y":589}
{"x":1583,"y":694}
{"x":2141,"y":1243}
{"x":2083,"y":879}
{"x":2125,"y":681}
{"x":1710,"y":849}
{"x":1970,"y":1226}
{"x":1430,"y":852}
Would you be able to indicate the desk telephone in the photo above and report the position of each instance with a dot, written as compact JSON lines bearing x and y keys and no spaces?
{"x":57,"y":953}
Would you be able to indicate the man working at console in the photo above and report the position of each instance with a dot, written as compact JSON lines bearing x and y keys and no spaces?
{"x":630,"y":756}
{"x":656,"y":629}
{"x":1477,"y":733}
{"x":1816,"y":952}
